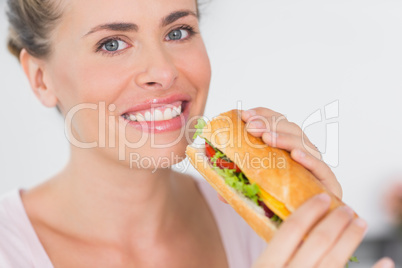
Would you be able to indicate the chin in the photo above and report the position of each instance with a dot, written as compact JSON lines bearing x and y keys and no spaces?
{"x":154,"y":154}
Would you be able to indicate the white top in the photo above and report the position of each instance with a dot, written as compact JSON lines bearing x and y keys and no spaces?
{"x":20,"y":246}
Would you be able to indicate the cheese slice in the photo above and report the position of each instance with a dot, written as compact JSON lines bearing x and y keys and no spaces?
{"x":277,"y":207}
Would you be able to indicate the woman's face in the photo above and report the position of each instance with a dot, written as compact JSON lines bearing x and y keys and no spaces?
{"x":121,"y":68}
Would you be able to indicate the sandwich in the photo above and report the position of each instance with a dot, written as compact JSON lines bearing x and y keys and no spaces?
{"x":263,"y":184}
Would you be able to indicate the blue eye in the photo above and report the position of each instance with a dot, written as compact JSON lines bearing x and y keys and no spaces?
{"x":113,"y":45}
{"x":180,"y":33}
{"x":177,"y":34}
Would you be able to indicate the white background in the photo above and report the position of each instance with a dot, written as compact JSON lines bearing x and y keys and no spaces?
{"x":294,"y":57}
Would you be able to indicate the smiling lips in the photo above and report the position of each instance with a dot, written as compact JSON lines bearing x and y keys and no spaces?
{"x":161,"y":113}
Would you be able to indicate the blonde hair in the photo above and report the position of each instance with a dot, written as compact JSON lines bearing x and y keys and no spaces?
{"x":31,"y":24}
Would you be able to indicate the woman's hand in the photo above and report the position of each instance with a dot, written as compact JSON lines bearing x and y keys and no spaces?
{"x":330,"y":242}
{"x":384,"y":263}
{"x":276,"y":131}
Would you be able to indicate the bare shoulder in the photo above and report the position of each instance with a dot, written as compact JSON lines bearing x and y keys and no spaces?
{"x":37,"y":200}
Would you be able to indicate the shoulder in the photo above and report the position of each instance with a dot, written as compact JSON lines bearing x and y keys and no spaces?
{"x":10,"y":221}
{"x":242,"y":244}
{"x":19,"y":244}
{"x":12,"y":242}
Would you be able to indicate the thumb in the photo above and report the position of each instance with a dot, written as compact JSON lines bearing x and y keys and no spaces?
{"x":384,"y":263}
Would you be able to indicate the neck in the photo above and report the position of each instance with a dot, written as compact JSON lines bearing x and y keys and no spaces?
{"x":116,"y":199}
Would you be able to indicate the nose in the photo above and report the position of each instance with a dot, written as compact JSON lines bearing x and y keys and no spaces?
{"x":159,"y":70}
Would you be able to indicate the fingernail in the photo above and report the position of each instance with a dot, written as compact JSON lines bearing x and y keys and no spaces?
{"x":271,"y":134}
{"x":361,"y":223}
{"x":251,"y":112}
{"x":324,"y":197}
{"x":299,"y":153}
{"x":256,"y":124}
{"x":247,"y":114}
{"x":387,"y":263}
{"x":348,"y":210}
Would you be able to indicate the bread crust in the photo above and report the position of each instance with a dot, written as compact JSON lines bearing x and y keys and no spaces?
{"x":284,"y":179}
{"x":261,"y":224}
{"x":273,"y":169}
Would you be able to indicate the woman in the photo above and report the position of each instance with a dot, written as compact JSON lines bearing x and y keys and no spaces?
{"x":129,"y":77}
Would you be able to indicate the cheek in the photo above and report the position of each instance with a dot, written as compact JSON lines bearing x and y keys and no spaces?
{"x":86,"y":87}
{"x":195,"y":66}
{"x":88,"y":81}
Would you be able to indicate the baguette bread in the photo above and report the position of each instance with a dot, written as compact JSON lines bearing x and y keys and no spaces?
{"x":273,"y":170}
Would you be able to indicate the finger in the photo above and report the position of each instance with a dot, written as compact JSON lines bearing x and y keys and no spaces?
{"x":339,"y":255}
{"x":322,"y":237}
{"x":222,"y":199}
{"x":289,"y":142}
{"x":319,"y":169}
{"x":262,"y":111}
{"x":258,"y":125}
{"x":264,"y":119}
{"x":384,"y":263}
{"x":260,"y":120}
{"x":292,"y":231}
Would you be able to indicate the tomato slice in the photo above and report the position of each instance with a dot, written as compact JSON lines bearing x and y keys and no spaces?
{"x":221,"y":163}
{"x":209,"y":151}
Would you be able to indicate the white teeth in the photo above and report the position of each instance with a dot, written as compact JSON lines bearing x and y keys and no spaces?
{"x":158,"y":116}
{"x":174,"y":113}
{"x":177,"y":109}
{"x":140,"y":117}
{"x":167,"y":115}
{"x":147,"y":116}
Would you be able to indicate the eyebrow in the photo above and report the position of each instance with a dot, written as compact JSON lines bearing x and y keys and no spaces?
{"x":172,"y":17}
{"x":127,"y":27}
{"x":117,"y":27}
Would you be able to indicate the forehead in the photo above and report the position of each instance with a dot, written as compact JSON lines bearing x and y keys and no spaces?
{"x":88,"y":13}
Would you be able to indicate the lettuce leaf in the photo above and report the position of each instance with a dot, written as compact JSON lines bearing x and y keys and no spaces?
{"x":199,"y":126}
{"x":276,"y":219}
{"x":238,"y":182}
{"x":218,"y":154}
{"x":352,"y":259}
